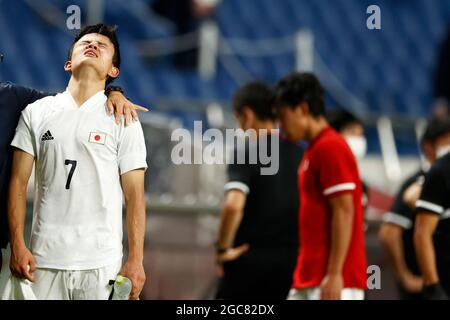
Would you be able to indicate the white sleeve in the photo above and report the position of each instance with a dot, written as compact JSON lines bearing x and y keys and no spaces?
{"x":24,"y":138}
{"x":132,"y":153}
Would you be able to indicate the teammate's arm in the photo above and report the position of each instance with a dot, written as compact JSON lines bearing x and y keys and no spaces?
{"x":133,"y":189}
{"x":119,"y":105}
{"x":426,"y":224}
{"x":27,"y":95}
{"x":391,"y":236}
{"x":231,"y":217}
{"x":22,"y":263}
{"x":342,"y":213}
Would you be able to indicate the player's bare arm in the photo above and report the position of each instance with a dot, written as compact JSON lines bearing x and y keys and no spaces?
{"x":391,"y":236}
{"x":342,"y":212}
{"x":231,"y":217}
{"x":425,"y":227}
{"x":133,"y":189}
{"x":22,"y":263}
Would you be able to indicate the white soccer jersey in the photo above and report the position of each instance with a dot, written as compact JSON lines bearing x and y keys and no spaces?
{"x":80,"y":154}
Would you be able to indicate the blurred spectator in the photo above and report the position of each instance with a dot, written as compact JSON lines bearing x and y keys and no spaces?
{"x":442,"y":79}
{"x":396,"y":232}
{"x":258,"y":241}
{"x":186,"y":16}
{"x":352,"y":130}
{"x":204,"y":8}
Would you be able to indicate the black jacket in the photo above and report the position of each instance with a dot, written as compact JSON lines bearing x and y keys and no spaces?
{"x":13,"y":99}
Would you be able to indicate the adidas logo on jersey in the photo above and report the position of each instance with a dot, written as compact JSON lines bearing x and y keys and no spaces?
{"x":47,"y":136}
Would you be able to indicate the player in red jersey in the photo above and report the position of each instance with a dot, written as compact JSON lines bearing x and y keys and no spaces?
{"x":332,"y":259}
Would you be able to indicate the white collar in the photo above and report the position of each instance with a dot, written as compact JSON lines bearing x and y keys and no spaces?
{"x":93,"y":100}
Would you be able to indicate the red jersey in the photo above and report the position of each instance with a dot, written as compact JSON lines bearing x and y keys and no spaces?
{"x":328,"y":169}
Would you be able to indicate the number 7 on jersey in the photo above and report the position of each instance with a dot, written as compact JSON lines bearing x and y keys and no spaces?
{"x":73,"y":163}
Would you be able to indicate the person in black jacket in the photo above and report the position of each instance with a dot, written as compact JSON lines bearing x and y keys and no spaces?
{"x":258,"y":238}
{"x":432,"y":224}
{"x":441,"y":81}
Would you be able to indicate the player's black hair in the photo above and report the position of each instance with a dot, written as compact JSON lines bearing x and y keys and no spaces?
{"x":300,"y":87}
{"x":341,"y":118}
{"x":108,"y":31}
{"x":436,"y":128}
{"x":257,"y":96}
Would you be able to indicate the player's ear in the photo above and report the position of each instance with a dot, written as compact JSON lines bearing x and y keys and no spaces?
{"x":304,"y":108}
{"x":249,"y":114}
{"x":68,"y":66}
{"x":247,"y":111}
{"x":429,"y":150}
{"x":114,"y":72}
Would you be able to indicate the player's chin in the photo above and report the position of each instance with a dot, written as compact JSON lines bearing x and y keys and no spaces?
{"x":89,"y":60}
{"x":293,"y":137}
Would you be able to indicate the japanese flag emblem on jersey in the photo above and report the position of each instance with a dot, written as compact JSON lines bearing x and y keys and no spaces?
{"x":97,"y":137}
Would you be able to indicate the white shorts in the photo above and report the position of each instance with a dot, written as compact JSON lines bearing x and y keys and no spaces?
{"x":314,"y":294}
{"x":53,"y":284}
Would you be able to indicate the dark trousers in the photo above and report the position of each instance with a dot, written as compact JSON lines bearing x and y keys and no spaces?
{"x":260,"y":273}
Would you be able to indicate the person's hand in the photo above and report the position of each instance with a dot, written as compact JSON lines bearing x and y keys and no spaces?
{"x":412,"y":283}
{"x":331,"y":287}
{"x":135,"y":272}
{"x":22,"y":263}
{"x":232,"y":254}
{"x":121,"y":106}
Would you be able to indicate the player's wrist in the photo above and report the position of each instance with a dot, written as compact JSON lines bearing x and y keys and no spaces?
{"x":430,"y":281}
{"x":220,"y":248}
{"x":407,"y":275}
{"x":111,"y":89}
{"x":18,"y":244}
{"x":333,"y":271}
{"x":135,"y":259}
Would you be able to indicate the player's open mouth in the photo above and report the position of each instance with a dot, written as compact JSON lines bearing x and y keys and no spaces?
{"x":90,"y":53}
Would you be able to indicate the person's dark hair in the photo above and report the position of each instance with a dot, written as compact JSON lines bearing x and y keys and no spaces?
{"x":257,"y":96}
{"x":300,"y":87}
{"x":108,"y":31}
{"x":339,"y":119}
{"x":436,"y":128}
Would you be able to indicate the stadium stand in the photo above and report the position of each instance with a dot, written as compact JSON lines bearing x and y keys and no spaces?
{"x":391,"y":71}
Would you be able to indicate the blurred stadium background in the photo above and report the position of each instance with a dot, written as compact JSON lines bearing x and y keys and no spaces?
{"x":185,"y":65}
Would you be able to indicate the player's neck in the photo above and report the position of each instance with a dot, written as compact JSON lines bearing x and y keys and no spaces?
{"x":317,"y":127}
{"x":83,"y":88}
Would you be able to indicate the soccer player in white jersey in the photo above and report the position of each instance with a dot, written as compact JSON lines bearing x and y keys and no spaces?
{"x":84,"y":162}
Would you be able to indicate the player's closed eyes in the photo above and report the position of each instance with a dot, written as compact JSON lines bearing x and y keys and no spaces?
{"x":100,"y":45}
